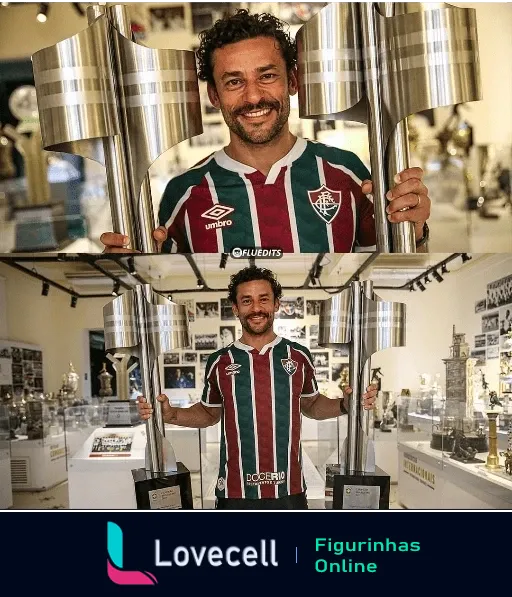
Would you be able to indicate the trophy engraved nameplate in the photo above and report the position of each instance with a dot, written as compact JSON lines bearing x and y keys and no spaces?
{"x":144,"y":324}
{"x":378,"y":63}
{"x":359,"y":318}
{"x":107,"y":98}
{"x":361,"y":497}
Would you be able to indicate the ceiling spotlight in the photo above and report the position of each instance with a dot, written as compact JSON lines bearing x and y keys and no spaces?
{"x":411,"y":288}
{"x":466,"y":257}
{"x":437,"y":276}
{"x":115,"y":289}
{"x":223,"y":260}
{"x":427,"y":280}
{"x":131,"y":266}
{"x":42,"y":14}
{"x":46,"y":289}
{"x":74,"y":301}
{"x":421,"y":287}
{"x":444,"y":269}
{"x":200,"y":283}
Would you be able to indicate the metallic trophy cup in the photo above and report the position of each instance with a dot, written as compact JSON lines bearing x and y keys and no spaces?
{"x":144,"y":324}
{"x":105,"y":97}
{"x":358,"y":317}
{"x":377,"y":63}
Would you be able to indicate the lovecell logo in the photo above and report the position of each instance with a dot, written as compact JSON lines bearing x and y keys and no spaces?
{"x":115,"y":561}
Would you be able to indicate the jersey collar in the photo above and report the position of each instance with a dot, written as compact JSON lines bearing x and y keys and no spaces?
{"x":223,"y":160}
{"x":248,"y":348}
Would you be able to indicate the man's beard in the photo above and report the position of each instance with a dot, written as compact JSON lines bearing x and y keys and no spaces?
{"x":258,"y":137}
{"x":246,"y":324}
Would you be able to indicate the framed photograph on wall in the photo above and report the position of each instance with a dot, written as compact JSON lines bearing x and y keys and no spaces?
{"x":505,"y":315}
{"x":226,"y":310}
{"x":320,"y":359}
{"x":179,"y":377}
{"x":226,"y":335}
{"x":480,"y":306}
{"x":480,"y":356}
{"x":167,"y":18}
{"x":205,"y":342}
{"x":493,"y":352}
{"x":291,"y":308}
{"x":171,"y":358}
{"x":313,"y":307}
{"x":188,"y":357}
{"x":499,"y":293}
{"x":491,"y":322}
{"x":480,"y":341}
{"x":208,"y":310}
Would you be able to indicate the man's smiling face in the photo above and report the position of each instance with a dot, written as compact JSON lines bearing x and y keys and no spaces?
{"x":252,"y":88}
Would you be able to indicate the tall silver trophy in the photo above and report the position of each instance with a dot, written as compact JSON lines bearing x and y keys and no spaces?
{"x":144,"y":324}
{"x":377,"y":63}
{"x":104,"y":97}
{"x":358,"y":318}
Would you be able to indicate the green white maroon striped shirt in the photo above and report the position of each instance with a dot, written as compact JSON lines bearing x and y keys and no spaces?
{"x":310,"y":201}
{"x":259,"y":393}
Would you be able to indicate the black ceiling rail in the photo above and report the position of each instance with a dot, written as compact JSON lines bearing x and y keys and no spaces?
{"x":197,"y":272}
{"x":116,"y":279}
{"x":44,"y":279}
{"x":312,"y":274}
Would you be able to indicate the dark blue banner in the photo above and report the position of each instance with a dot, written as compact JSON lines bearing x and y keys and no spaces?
{"x":232,"y":553}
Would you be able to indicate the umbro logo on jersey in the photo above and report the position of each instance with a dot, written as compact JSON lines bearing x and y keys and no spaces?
{"x":326,"y":203}
{"x":289,"y":365}
{"x":233,"y":369}
{"x":217,"y":213}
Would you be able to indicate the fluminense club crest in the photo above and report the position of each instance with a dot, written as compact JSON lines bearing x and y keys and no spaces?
{"x":289,"y":365}
{"x":326,"y":203}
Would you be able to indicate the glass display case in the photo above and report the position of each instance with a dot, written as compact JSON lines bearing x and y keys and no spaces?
{"x":461,"y":461}
{"x":105,"y":443}
{"x":38,"y":452}
{"x":5,"y":459}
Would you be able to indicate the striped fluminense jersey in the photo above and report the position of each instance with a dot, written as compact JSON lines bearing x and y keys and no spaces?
{"x":260,"y":393}
{"x":310,"y":201}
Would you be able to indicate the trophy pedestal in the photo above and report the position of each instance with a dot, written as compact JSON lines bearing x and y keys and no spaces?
{"x":163,"y":491}
{"x":361,"y":491}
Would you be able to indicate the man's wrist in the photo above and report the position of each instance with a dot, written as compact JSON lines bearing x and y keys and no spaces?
{"x":171,"y":415}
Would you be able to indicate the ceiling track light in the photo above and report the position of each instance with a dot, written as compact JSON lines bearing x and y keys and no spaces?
{"x":223,"y":261}
{"x":74,"y":301}
{"x":200,"y":283}
{"x":42,"y":14}
{"x":427,"y":279}
{"x":466,"y":257}
{"x":437,"y":276}
{"x":444,"y":269}
{"x":421,"y":287}
{"x":46,"y":289}
{"x":411,"y":288}
{"x":115,"y":289}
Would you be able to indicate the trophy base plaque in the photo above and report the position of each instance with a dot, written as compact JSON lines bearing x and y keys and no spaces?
{"x":361,"y":491}
{"x":163,"y":491}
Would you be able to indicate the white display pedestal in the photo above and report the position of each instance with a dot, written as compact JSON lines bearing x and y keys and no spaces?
{"x":5,"y":476}
{"x":37,"y":465}
{"x":106,"y":482}
{"x":427,"y":481}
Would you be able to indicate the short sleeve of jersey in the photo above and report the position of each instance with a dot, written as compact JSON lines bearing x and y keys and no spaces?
{"x":310,"y":385}
{"x":211,"y":392}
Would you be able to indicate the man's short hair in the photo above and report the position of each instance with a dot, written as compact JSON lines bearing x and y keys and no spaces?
{"x":237,"y":27}
{"x":250,"y":274}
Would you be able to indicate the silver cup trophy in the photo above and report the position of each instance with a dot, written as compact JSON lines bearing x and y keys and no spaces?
{"x":358,"y":318}
{"x":104,"y":97}
{"x":144,"y":324}
{"x":377,"y":63}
